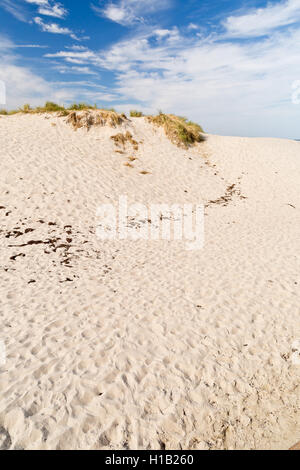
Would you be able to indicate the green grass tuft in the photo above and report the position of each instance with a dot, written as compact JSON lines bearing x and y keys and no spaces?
{"x":81,"y":107}
{"x":49,"y":108}
{"x":135,"y":113}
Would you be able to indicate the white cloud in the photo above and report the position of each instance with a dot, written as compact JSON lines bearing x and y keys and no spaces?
{"x":49,"y":8}
{"x":193,"y":26}
{"x":73,"y":54}
{"x":262,"y":21}
{"x":51,"y":27}
{"x":37,"y":2}
{"x":56,"y":10}
{"x":55,"y":28}
{"x":126,"y":12}
{"x":172,"y":35}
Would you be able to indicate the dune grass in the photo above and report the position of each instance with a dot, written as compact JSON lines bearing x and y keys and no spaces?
{"x":4,"y":112}
{"x":81,"y":107}
{"x":134,"y":113}
{"x":179,"y":130}
{"x":121,"y":140}
{"x":99,"y":117}
{"x":51,"y":107}
{"x":26,"y":109}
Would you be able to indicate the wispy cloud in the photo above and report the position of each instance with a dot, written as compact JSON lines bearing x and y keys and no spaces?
{"x":126,"y":12}
{"x":49,"y":8}
{"x":55,"y":10}
{"x":87,"y":54}
{"x":23,"y":85}
{"x":76,"y":70}
{"x":38,"y":2}
{"x":44,"y":7}
{"x":51,"y":27}
{"x":23,"y":46}
{"x":15,"y":9}
{"x":262,"y":21}
{"x":55,"y":28}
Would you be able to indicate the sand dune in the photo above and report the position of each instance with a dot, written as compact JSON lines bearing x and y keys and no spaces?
{"x":144,"y":345}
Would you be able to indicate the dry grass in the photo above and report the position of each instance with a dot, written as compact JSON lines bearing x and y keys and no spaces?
{"x":89,"y":118}
{"x":121,"y":140}
{"x":179,"y":130}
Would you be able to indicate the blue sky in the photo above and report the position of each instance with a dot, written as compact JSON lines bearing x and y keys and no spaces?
{"x":227,"y":64}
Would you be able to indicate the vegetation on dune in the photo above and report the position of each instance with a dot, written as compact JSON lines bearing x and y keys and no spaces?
{"x":4,"y":112}
{"x":81,"y":107}
{"x":121,"y":140}
{"x":99,"y":117}
{"x":49,"y":108}
{"x":25,"y":109}
{"x":178,"y":129}
{"x":134,"y":113}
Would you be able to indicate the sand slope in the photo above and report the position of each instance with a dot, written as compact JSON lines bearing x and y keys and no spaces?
{"x":143,"y":344}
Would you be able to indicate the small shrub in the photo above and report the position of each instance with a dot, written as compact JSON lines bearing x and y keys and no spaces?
{"x":135,"y":113}
{"x":3,"y":112}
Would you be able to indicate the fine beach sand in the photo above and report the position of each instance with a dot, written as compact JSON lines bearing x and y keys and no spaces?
{"x":144,"y":345}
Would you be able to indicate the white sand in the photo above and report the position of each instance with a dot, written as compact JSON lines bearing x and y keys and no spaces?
{"x":149,"y":346}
